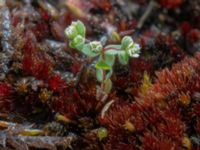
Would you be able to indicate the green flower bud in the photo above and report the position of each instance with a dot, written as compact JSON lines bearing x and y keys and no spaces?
{"x":102,"y":133}
{"x":77,"y":42}
{"x":96,"y":46}
{"x":71,"y":32}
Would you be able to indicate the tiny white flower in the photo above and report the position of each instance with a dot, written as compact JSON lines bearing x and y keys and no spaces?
{"x":134,"y":50}
{"x":96,"y":46}
{"x":135,"y":55}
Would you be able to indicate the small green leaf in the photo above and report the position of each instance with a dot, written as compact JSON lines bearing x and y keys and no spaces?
{"x":109,"y":59}
{"x":123,"y":58}
{"x":87,"y":51}
{"x":102,"y":65}
{"x":99,"y":74}
{"x":107,"y":86}
{"x":112,"y":52}
{"x":80,"y":27}
{"x":113,"y":47}
{"x":109,"y":74}
{"x":126,"y":41}
{"x":71,"y":44}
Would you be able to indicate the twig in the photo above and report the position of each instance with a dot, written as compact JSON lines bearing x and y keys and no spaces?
{"x":6,"y":34}
{"x":40,"y":142}
{"x":106,"y":107}
{"x":127,"y":32}
{"x":146,"y":14}
{"x":5,"y":27}
{"x":9,"y":137}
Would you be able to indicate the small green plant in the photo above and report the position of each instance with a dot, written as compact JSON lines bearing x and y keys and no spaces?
{"x":106,"y":56}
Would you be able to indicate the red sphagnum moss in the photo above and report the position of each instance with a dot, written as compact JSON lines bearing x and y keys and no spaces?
{"x":154,"y":103}
{"x":6,"y":97}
